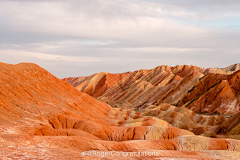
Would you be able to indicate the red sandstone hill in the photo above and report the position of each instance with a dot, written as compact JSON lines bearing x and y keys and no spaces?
{"x":43,"y":117}
{"x":202,"y":90}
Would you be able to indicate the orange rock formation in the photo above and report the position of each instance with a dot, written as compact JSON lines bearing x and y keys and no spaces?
{"x":211,"y":90}
{"x":43,"y":117}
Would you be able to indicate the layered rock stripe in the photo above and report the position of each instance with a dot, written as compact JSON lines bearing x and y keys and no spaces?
{"x":202,"y":90}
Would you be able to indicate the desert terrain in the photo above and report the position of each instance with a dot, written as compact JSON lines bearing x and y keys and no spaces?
{"x":180,"y":112}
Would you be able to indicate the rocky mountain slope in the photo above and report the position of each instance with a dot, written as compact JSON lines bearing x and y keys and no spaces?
{"x":202,"y":90}
{"x":233,"y":67}
{"x":43,"y":117}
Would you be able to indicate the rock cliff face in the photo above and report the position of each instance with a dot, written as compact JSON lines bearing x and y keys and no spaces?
{"x":43,"y":117}
{"x":202,"y":90}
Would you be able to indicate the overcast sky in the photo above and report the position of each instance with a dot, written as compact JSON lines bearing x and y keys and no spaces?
{"x":81,"y":37}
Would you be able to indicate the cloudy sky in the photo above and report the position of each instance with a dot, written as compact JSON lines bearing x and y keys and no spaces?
{"x":81,"y":37}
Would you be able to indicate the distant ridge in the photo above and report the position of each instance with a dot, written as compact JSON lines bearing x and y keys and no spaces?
{"x":182,"y":85}
{"x":233,"y":67}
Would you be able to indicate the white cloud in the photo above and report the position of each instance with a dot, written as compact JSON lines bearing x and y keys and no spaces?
{"x":45,"y":57}
{"x":93,"y":19}
{"x":121,"y":33}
